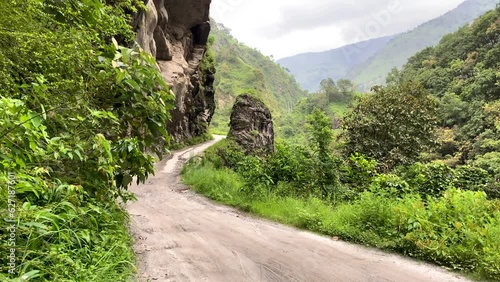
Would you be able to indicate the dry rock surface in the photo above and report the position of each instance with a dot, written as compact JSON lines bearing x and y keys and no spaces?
{"x":251,"y":125}
{"x":176,"y":32}
{"x":181,"y":236}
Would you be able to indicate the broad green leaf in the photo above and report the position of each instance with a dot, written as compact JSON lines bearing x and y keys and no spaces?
{"x":132,"y":83}
{"x":35,"y":119}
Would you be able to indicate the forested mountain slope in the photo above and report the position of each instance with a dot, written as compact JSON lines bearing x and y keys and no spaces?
{"x":399,"y":49}
{"x":243,"y":70}
{"x":463,"y":72}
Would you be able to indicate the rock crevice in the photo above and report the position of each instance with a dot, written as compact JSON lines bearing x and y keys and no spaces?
{"x":176,"y":33}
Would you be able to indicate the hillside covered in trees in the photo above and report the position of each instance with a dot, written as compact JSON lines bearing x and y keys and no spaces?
{"x":403,"y":46}
{"x":243,"y":70}
{"x":463,"y":74}
{"x":412,"y":167}
{"x":368,"y":63}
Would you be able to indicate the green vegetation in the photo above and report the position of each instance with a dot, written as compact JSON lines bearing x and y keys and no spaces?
{"x":462,"y":72}
{"x":333,"y":98}
{"x":412,"y":168}
{"x":396,"y":134}
{"x":80,"y":115}
{"x":454,"y":228}
{"x":243,"y":70}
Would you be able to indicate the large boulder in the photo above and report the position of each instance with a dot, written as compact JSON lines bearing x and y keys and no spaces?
{"x":251,"y":125}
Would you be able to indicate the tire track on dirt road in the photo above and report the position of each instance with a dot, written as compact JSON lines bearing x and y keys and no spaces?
{"x":183,"y":237}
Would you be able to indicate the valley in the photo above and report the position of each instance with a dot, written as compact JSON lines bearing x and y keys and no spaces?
{"x":368,"y":63}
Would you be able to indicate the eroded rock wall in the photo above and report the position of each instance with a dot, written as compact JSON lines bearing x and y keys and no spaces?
{"x":176,"y":33}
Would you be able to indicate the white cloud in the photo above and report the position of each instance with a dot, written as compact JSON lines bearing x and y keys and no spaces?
{"x":288,"y":27}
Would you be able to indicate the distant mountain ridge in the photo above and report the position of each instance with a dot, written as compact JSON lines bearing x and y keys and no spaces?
{"x":397,"y":52}
{"x":310,"y":68}
{"x":381,"y":55}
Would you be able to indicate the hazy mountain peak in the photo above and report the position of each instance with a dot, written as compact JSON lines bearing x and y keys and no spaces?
{"x":378,"y":56}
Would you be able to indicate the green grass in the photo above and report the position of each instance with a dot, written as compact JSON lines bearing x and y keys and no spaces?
{"x":460,"y":230}
{"x":222,"y":185}
{"x":220,"y":122}
{"x":70,"y":237}
{"x":310,"y":214}
{"x":193,"y":141}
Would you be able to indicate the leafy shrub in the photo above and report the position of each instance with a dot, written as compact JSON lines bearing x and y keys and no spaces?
{"x":489,"y":162}
{"x":429,"y":179}
{"x":325,"y":164}
{"x":255,"y":172}
{"x":489,"y":265}
{"x":292,"y":165}
{"x":493,"y":189}
{"x":393,"y":126}
{"x":471,"y":178}
{"x":226,"y":153}
{"x":358,"y":172}
{"x":80,"y":237}
{"x":453,"y":231}
{"x":79,"y":116}
{"x":389,"y":183}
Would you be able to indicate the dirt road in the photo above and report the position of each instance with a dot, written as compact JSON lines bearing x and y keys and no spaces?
{"x":181,"y":236}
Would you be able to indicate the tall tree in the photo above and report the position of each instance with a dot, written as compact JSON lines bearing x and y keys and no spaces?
{"x":346,"y":87}
{"x":393,"y":126}
{"x":330,"y":89}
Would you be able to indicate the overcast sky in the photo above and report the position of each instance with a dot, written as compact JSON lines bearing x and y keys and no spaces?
{"x":287,"y":27}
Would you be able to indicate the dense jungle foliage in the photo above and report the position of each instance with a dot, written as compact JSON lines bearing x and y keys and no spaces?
{"x":463,"y":74}
{"x":412,"y":167}
{"x":82,"y":110}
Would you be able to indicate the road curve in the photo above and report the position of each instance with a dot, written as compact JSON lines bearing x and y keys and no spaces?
{"x":183,"y":237}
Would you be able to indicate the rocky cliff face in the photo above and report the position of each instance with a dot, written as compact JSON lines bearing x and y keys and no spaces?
{"x":251,"y":125}
{"x":176,"y":33}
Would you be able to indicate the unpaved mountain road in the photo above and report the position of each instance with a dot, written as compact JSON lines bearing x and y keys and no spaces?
{"x":181,"y":236}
